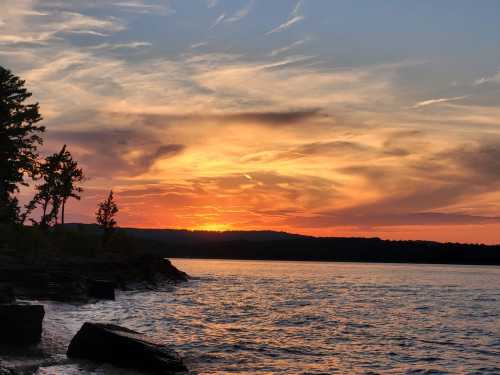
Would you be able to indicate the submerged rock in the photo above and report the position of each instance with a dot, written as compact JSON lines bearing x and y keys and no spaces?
{"x":20,"y":324}
{"x":101,"y":289}
{"x":124,"y":348}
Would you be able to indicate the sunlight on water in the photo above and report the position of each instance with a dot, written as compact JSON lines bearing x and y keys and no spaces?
{"x":308,"y":318}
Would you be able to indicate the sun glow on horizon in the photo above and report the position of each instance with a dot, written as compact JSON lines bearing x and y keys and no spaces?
{"x":213,"y":227}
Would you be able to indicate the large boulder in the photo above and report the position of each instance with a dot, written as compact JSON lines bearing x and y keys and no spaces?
{"x":20,"y":324}
{"x":124,"y":348}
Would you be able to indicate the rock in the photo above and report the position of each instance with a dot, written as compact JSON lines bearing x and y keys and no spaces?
{"x":21,"y":324}
{"x":102,"y":289}
{"x":6,"y":371}
{"x":124,"y":348}
{"x":154,"y":267}
{"x":7,"y":294}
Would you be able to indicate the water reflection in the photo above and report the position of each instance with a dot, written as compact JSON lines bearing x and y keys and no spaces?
{"x":310,"y":318}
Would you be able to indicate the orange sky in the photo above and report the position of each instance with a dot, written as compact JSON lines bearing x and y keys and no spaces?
{"x":258,"y":115}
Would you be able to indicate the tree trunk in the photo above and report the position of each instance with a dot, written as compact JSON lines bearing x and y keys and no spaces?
{"x":62,"y":211}
{"x":43,"y":222}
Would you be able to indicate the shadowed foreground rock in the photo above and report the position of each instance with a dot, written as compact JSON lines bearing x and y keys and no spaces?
{"x":124,"y":348}
{"x":20,"y":324}
{"x":73,"y":278}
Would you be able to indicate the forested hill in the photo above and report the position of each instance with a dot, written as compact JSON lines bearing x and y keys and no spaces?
{"x":284,"y":246}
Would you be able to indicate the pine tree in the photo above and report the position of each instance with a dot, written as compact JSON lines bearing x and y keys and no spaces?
{"x":105,"y":216}
{"x":19,"y":139}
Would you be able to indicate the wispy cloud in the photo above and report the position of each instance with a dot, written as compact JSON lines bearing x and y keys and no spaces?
{"x":128,"y":45}
{"x":88,"y":32}
{"x":212,"y":3}
{"x":293,"y":45}
{"x":242,"y":13}
{"x":144,"y":8}
{"x":61,"y":23}
{"x":494,"y":78}
{"x":198,"y":45}
{"x":295,"y":17}
{"x":218,"y":20}
{"x":429,"y":102}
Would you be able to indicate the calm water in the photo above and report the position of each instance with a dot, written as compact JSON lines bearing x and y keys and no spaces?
{"x":249,"y":317}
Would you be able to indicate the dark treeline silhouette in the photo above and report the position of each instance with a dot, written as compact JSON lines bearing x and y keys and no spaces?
{"x":345,"y":250}
{"x":270,"y":245}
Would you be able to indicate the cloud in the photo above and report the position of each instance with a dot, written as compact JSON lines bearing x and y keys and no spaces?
{"x":89,"y":32}
{"x":352,"y":218}
{"x":60,"y":23}
{"x":429,"y":102}
{"x":493,"y":79}
{"x":198,"y":45}
{"x":144,"y":8}
{"x":218,"y":20}
{"x":212,"y":3}
{"x":242,"y":13}
{"x":273,"y":118}
{"x":116,"y":152}
{"x":264,"y":118}
{"x":287,"y":48}
{"x":295,"y":17}
{"x":128,"y":45}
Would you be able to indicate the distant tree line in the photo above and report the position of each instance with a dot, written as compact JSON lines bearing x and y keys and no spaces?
{"x":57,"y":177}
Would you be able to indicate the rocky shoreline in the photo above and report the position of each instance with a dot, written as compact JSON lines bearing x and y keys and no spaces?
{"x":25,"y":282}
{"x":77,"y":279}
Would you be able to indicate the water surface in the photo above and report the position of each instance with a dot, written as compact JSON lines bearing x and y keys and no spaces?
{"x":253,"y":317}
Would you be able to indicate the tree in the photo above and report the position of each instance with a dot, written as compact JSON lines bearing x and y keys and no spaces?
{"x":61,"y":176}
{"x":49,"y":172}
{"x":105,"y":215}
{"x":19,"y":139}
{"x":70,"y":177}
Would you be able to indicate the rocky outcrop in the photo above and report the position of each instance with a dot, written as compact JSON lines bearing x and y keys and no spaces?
{"x":123,"y":347}
{"x":67,"y":278}
{"x":20,"y":324}
{"x":156,"y":269}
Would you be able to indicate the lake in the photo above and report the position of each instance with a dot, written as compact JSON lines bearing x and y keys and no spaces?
{"x":262,"y":317}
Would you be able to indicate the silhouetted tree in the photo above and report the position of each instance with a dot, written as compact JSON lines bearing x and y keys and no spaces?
{"x":48,"y":192}
{"x":19,"y":138}
{"x":105,"y":216}
{"x":70,"y":177}
{"x":61,"y":177}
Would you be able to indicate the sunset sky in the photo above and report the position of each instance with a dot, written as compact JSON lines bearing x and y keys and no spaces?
{"x":325,"y":117}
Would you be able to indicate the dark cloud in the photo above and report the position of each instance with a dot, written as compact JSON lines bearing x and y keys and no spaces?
{"x":480,"y":161}
{"x":114,"y":152}
{"x":274,"y":118}
{"x":270,"y":118}
{"x":353,"y":218}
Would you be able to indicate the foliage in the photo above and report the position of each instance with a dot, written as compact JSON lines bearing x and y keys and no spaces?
{"x":19,"y":139}
{"x":105,"y":216}
{"x":61,"y":176}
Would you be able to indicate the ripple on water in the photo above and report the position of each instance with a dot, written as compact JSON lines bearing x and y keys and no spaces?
{"x":306,"y":318}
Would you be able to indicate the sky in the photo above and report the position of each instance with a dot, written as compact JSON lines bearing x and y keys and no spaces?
{"x":324,"y":117}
